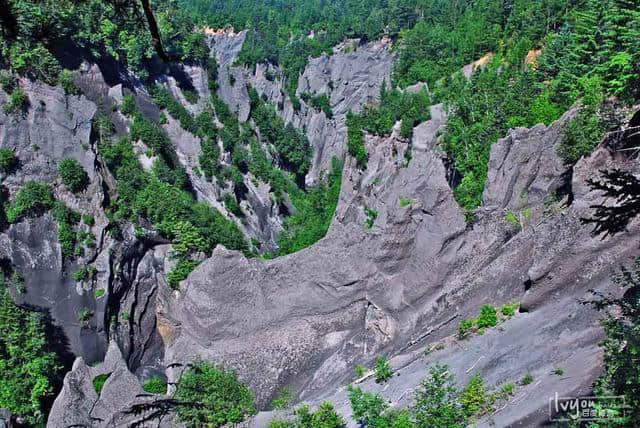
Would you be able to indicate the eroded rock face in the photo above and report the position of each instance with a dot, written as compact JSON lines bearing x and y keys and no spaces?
{"x":352,"y":77}
{"x":80,"y":404}
{"x":306,"y":319}
{"x":56,"y":126}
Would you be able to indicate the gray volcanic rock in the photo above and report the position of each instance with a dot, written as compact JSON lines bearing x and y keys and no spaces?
{"x":306,"y":319}
{"x":525,"y":161}
{"x":351,"y":79}
{"x":56,"y":126}
{"x":227,"y":46}
{"x":79,"y":404}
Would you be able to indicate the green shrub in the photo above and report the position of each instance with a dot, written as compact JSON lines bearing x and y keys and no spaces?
{"x":67,"y":239}
{"x":84,"y":316}
{"x":509,"y":309}
{"x":360,"y":370}
{"x":371,"y":410}
{"x":63,"y":214}
{"x":518,"y":219}
{"x":283,"y":399}
{"x":67,"y":219}
{"x":180,"y":272}
{"x":190,"y":96}
{"x":164,"y":99}
{"x":218,"y":397}
{"x":103,"y":126}
{"x":232,"y":204}
{"x":320,"y":102}
{"x":474,"y":397}
{"x":30,"y":370}
{"x":404,"y":201}
{"x":406,"y":128}
{"x":383,"y":370}
{"x":371,"y":216}
{"x":558,"y":372}
{"x":34,"y":198}
{"x":8,"y":160}
{"x":73,"y":175}
{"x":512,"y":218}
{"x":81,"y":274}
{"x":465,"y":327}
{"x":88,"y":219}
{"x":291,"y":144}
{"x":65,"y":79}
{"x":355,"y":140}
{"x":128,"y":107}
{"x":507,"y":390}
{"x":98,"y":382}
{"x":436,"y":401}
{"x":581,"y":136}
{"x":18,"y":102}
{"x":7,"y":81}
{"x":325,"y":416}
{"x":155,"y":385}
{"x":527,"y":379}
{"x":314,"y":211}
{"x":488,"y":317}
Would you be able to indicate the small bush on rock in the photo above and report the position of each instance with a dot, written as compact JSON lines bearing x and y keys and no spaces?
{"x":283,"y":399}
{"x":34,"y":198}
{"x":73,"y":175}
{"x":465,"y":327}
{"x":383,"y":370}
{"x":581,"y":136}
{"x":65,"y":79}
{"x":98,"y":382}
{"x":488,"y":317}
{"x":8,"y":160}
{"x":18,"y":102}
{"x":324,"y":417}
{"x":7,"y":81}
{"x":128,"y":107}
{"x":474,"y":397}
{"x":155,"y":385}
{"x":217,"y":395}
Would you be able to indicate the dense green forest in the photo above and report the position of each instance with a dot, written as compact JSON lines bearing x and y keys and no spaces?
{"x":35,"y":34}
{"x":30,"y":369}
{"x":583,"y":49}
{"x":586,"y":52}
{"x":288,"y":32}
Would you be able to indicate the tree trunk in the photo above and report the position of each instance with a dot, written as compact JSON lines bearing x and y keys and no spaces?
{"x":153,"y":28}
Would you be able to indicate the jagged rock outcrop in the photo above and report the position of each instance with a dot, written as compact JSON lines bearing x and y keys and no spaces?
{"x":81,"y":404}
{"x":308,"y":318}
{"x":351,"y":77}
{"x":549,"y":266}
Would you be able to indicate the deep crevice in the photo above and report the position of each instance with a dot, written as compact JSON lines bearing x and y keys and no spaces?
{"x":528,"y":284}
